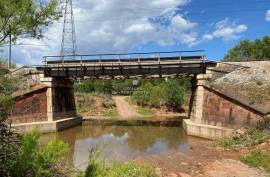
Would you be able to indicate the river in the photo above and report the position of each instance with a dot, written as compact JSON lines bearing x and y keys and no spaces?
{"x":120,"y":143}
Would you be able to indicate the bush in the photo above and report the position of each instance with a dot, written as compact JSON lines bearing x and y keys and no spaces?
{"x":99,"y":86}
{"x":33,"y":161}
{"x":143,"y":95}
{"x":160,"y":92}
{"x":174,"y":94}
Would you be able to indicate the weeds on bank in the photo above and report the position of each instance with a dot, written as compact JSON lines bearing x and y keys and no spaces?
{"x":252,"y":136}
{"x":258,"y":159}
{"x":97,"y":168}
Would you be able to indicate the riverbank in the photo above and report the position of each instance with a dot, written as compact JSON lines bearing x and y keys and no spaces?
{"x":204,"y":159}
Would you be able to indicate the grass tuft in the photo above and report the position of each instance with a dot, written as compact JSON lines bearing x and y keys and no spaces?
{"x":257,"y":159}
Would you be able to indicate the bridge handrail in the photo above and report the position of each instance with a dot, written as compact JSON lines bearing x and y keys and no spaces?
{"x":179,"y":55}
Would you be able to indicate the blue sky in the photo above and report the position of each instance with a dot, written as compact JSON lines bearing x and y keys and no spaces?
{"x":153,"y":25}
{"x":251,"y":13}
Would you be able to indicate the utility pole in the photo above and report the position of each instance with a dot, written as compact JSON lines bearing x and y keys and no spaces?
{"x":9,"y":57}
{"x":68,"y":45}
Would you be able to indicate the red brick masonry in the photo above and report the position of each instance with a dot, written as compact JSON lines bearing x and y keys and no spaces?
{"x":30,"y":107}
{"x":221,"y":110}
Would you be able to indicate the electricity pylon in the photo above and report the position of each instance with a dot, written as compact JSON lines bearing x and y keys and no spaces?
{"x":68,"y":45}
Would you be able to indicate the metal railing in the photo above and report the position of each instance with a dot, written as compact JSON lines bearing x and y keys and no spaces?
{"x":125,"y":57}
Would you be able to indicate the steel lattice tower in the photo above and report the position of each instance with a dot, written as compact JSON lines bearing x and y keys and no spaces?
{"x":68,"y":45}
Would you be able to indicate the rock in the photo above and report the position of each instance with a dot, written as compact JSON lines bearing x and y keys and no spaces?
{"x":238,"y":133}
{"x":199,"y":164}
{"x":184,"y":163}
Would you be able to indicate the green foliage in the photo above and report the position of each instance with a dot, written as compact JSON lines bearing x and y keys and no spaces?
{"x":25,"y":17}
{"x":259,"y":82}
{"x":96,"y":168}
{"x":159,"y":92}
{"x":8,"y":85}
{"x":5,"y":106}
{"x":130,"y":170}
{"x":250,"y":50}
{"x":9,"y":148}
{"x":174,"y":94}
{"x":98,"y":86}
{"x":121,"y":87}
{"x":257,"y":159}
{"x":143,"y":95}
{"x":32,"y":160}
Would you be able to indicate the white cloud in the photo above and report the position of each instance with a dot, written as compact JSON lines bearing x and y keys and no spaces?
{"x":113,"y":26}
{"x":228,"y":29}
{"x":267,"y":16}
{"x":181,"y":24}
{"x":140,"y":27}
{"x":208,"y":37}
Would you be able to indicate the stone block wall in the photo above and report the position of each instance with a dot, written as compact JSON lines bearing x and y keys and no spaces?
{"x":219,"y":110}
{"x":30,"y":107}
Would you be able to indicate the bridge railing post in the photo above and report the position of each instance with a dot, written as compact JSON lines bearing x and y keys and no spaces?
{"x":100,"y":58}
{"x":81,"y":60}
{"x":119,"y":59}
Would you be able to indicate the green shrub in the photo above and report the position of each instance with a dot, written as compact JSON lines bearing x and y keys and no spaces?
{"x":258,"y":159}
{"x":99,"y":86}
{"x":174,"y":94}
{"x":95,"y":168}
{"x":160,"y":92}
{"x":259,"y":82}
{"x":143,"y":96}
{"x":32,"y":160}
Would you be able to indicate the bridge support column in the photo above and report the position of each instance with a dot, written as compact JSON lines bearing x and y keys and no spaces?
{"x":195,"y":125}
{"x":61,"y":109}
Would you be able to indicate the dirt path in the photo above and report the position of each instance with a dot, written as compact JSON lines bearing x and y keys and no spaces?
{"x":125,"y":110}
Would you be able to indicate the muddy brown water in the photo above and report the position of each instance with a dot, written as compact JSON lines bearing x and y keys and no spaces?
{"x":120,"y":143}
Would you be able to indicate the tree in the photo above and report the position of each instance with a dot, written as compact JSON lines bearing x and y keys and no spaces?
{"x":25,"y":18}
{"x":250,"y":50}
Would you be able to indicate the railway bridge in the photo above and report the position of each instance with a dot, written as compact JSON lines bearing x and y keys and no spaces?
{"x":51,"y":106}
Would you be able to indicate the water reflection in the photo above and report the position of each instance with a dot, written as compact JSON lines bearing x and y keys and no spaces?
{"x":121,"y":143}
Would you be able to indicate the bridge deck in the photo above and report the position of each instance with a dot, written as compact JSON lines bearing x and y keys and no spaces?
{"x":121,"y":66}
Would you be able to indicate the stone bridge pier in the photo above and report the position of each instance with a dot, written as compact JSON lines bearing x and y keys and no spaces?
{"x":197,"y":124}
{"x":48,"y":108}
